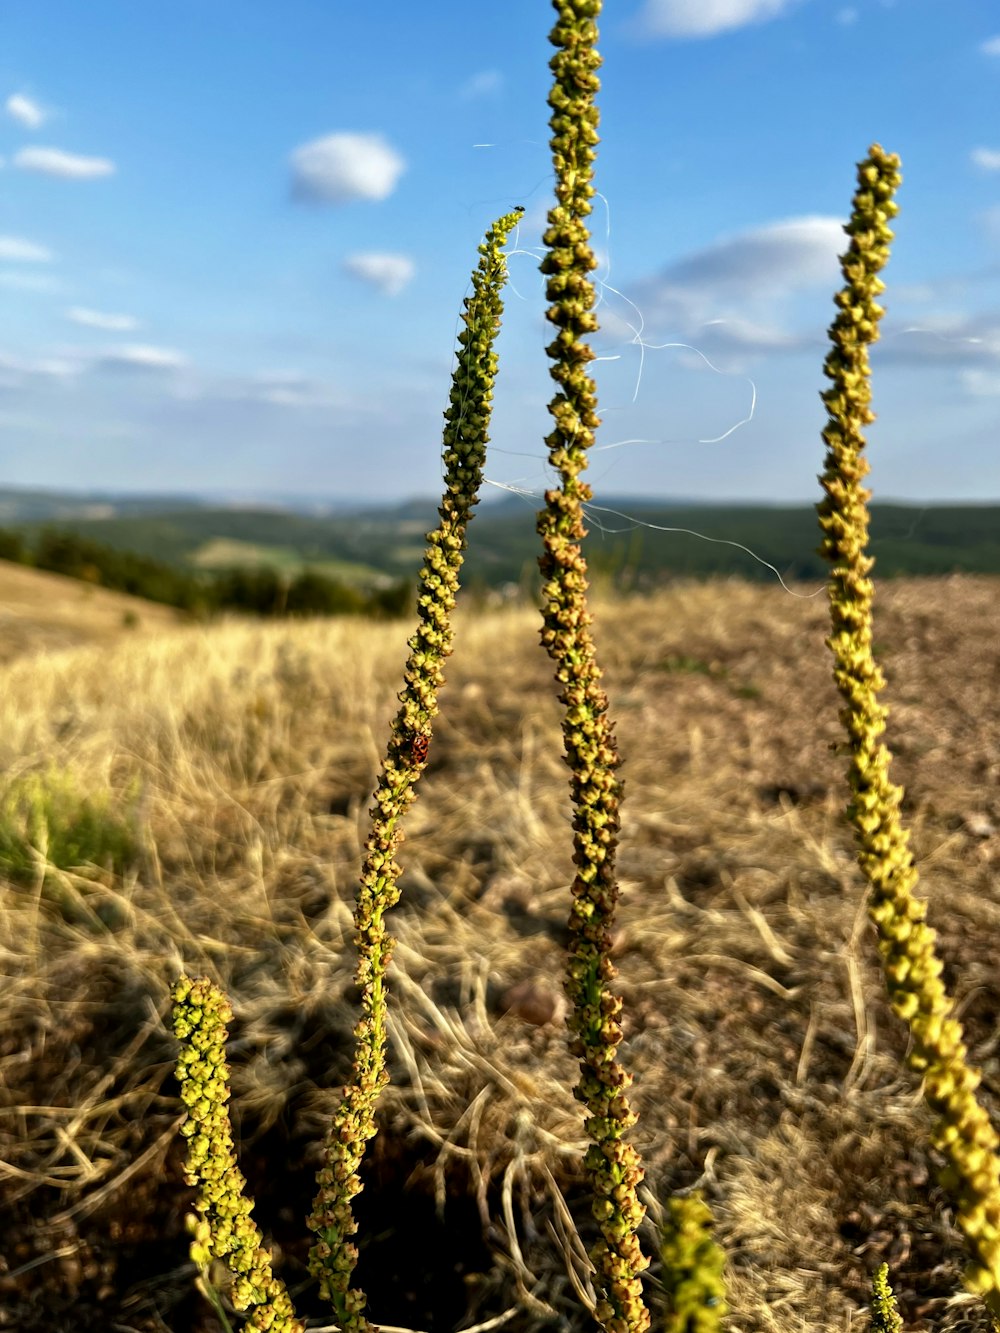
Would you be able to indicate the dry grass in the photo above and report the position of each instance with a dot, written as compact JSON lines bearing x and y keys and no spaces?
{"x":767,"y":1061}
{"x":42,"y":610}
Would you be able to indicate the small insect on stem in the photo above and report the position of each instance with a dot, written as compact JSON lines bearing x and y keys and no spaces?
{"x":418,"y":748}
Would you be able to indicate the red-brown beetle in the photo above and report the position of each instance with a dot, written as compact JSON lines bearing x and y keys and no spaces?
{"x":418,"y":748}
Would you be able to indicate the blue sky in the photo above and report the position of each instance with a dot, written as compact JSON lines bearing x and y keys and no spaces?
{"x":235,"y":237}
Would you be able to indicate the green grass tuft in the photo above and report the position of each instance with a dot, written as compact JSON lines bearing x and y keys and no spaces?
{"x":48,"y":824}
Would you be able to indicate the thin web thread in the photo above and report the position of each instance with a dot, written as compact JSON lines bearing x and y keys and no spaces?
{"x":605,"y":288}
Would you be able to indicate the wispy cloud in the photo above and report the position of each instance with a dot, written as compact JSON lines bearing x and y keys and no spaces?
{"x":969,"y":342}
{"x":273,"y":388}
{"x":23,"y":252}
{"x":735,"y":334}
{"x":98,"y":319}
{"x":991,"y":47}
{"x":706,"y":18}
{"x":26,"y":111}
{"x":389,"y":273}
{"x":734,"y":297}
{"x":777,"y":258}
{"x":339,"y":168}
{"x":982,"y":383}
{"x":66,"y":166}
{"x":18,"y":281}
{"x":142,"y":357}
{"x":487,"y":83}
{"x":15,"y":370}
{"x":289,"y":388}
{"x":986,"y":159}
{"x":989,"y":220}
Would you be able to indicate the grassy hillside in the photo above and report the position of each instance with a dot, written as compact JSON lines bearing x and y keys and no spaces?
{"x":633,"y":542}
{"x":47,"y":611}
{"x":224,"y":773}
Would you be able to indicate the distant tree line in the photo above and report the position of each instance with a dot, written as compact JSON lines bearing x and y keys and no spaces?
{"x":252,"y":591}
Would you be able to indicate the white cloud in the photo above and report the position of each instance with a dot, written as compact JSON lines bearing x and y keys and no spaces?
{"x":775,"y":259}
{"x":991,"y":47}
{"x":97,"y":319}
{"x":342,"y":167}
{"x":26,"y":111}
{"x":141,"y":356}
{"x":845,"y":17}
{"x":389,"y":273}
{"x":288,"y":388}
{"x":24,"y":252}
{"x":986,"y":159}
{"x":742,"y":294}
{"x":14,"y":370}
{"x":735,"y":334}
{"x":484,"y":84}
{"x":275,"y":388}
{"x":67,"y":166}
{"x":705,"y":18}
{"x":944,"y":339}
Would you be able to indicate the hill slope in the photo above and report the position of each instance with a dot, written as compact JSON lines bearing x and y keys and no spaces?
{"x":40,"y":611}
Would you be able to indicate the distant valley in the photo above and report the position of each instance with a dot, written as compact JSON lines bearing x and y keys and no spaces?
{"x":633,"y":541}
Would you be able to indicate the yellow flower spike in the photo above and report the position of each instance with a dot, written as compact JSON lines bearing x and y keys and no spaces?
{"x":333,"y":1256}
{"x":962,"y":1131}
{"x":693,"y":1268}
{"x":225,"y":1229}
{"x":885,"y":1317}
{"x":612,"y":1165}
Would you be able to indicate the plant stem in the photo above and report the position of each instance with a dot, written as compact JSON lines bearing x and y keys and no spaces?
{"x":962,"y":1131}
{"x":612,"y":1164}
{"x":333,"y":1257}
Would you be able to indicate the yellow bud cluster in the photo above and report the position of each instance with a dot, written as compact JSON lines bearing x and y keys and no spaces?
{"x":612,"y":1165}
{"x":693,"y":1268}
{"x":885,"y":1317}
{"x":962,"y":1132}
{"x":226,"y":1229}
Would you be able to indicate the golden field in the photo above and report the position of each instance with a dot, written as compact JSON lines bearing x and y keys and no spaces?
{"x":241,"y":757}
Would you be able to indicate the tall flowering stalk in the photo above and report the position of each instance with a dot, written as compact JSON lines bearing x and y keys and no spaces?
{"x":962,"y":1131}
{"x":611,"y":1163}
{"x":333,"y":1256}
{"x":225,"y":1229}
